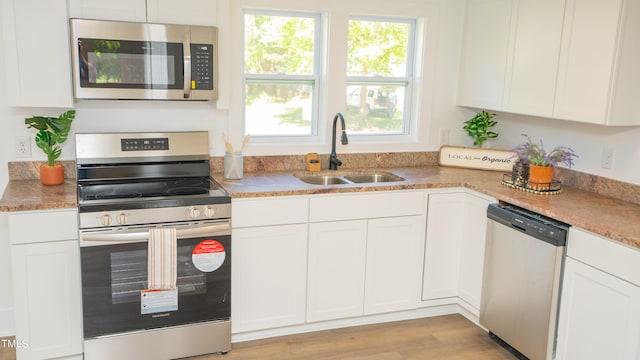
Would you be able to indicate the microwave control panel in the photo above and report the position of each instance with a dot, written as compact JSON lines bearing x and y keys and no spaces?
{"x":202,"y":67}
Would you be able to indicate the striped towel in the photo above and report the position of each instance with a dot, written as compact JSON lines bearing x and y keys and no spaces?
{"x":162,"y":259}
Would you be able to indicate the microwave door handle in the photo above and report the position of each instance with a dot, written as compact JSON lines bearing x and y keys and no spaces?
{"x":139,"y":236}
{"x":186,"y":48}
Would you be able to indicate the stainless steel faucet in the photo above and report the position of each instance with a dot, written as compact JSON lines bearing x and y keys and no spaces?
{"x":334,"y":162}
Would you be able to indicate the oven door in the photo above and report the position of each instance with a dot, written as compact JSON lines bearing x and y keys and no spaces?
{"x":114,"y":277}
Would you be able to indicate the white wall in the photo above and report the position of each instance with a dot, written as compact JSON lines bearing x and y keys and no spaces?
{"x":438,"y":112}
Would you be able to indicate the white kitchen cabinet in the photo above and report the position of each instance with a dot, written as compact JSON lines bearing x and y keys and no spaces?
{"x":36,"y":53}
{"x":337,"y":252}
{"x":510,"y":55}
{"x":472,"y":245}
{"x":574,"y":60}
{"x":454,"y":250}
{"x":598,"y":77}
{"x":269,"y":262}
{"x":600,"y":303}
{"x":483,"y":61}
{"x":532,"y":60}
{"x":393,"y":264}
{"x":445,"y":219}
{"x":191,"y":12}
{"x":269,"y":267}
{"x":45,"y":265}
{"x":365,"y":253}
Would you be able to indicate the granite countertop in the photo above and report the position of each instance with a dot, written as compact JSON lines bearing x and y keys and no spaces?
{"x":607,"y":216}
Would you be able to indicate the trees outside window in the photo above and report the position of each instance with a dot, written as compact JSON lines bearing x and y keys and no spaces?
{"x":282,"y":62}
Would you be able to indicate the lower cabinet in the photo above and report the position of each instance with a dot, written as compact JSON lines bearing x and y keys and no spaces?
{"x":600,"y":304}
{"x":269,"y":266}
{"x":337,"y":253}
{"x":269,"y":262}
{"x":363,"y":267}
{"x":45,"y":265}
{"x":454,"y":249}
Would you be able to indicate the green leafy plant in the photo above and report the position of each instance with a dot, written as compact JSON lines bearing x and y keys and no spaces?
{"x":52,"y":132}
{"x":535,"y":154}
{"x":478,"y":128}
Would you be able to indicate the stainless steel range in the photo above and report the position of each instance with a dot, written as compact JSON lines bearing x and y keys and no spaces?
{"x":155,"y":244}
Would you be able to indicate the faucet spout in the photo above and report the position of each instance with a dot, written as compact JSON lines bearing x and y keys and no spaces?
{"x":334,"y":161}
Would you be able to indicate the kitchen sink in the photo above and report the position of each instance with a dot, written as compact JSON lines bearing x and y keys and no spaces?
{"x":351,"y":178}
{"x":323,"y":180}
{"x":380,"y":177}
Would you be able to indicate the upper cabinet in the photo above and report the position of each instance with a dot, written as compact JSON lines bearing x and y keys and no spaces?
{"x":189,"y":12}
{"x":35,"y":44}
{"x":574,"y":60}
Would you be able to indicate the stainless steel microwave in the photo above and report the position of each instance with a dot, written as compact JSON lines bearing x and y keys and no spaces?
{"x":125,"y":60}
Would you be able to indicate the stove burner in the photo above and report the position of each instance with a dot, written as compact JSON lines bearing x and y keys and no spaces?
{"x":186,"y":191}
{"x":118,"y":196}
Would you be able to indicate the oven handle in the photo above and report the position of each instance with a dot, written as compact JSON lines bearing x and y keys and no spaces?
{"x":100,"y":238}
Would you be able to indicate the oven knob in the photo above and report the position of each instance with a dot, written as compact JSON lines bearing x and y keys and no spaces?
{"x":105,"y":220}
{"x":209,"y":211}
{"x":194,"y":212}
{"x":122,"y":219}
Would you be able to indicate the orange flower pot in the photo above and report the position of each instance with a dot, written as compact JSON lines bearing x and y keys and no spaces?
{"x":540,"y":177}
{"x":51,"y":175}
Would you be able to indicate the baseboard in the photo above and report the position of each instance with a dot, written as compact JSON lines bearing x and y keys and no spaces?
{"x":7,"y":324}
{"x":342,"y":323}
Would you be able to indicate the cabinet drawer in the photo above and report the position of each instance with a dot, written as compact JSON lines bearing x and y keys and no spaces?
{"x":269,"y":211}
{"x":42,"y":226}
{"x":366,"y":206}
{"x":607,"y":255}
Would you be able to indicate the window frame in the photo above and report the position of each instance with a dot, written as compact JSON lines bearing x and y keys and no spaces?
{"x":318,"y":65}
{"x":407,"y":81}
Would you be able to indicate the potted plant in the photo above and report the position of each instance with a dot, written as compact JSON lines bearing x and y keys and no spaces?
{"x":478,"y":127}
{"x":542,"y":163}
{"x":52,"y":132}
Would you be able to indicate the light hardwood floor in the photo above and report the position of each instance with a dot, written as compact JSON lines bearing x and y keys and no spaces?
{"x":450,"y":337}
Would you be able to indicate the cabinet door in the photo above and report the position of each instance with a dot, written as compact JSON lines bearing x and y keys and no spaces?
{"x":48,"y":306}
{"x":392,"y":265}
{"x":533,"y":57}
{"x":599,"y":315}
{"x":445,"y":223}
{"x":587,"y":59}
{"x":472,"y":246}
{"x":337,"y":253}
{"x":119,"y":10}
{"x":269,"y":269}
{"x":483,"y":61}
{"x":36,"y":53}
{"x":191,"y":12}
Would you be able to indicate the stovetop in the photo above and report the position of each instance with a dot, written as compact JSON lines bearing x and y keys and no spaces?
{"x":149,"y":193}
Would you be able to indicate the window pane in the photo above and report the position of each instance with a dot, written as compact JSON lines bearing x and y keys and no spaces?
{"x":381,"y":111}
{"x":278,"y":44}
{"x":378,"y":48}
{"x":278,"y":108}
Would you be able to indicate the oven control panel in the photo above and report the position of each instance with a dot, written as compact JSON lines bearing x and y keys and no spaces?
{"x":144,"y":144}
{"x":100,"y":219}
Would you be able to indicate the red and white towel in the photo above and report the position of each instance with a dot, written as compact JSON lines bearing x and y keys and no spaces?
{"x":162,"y":259}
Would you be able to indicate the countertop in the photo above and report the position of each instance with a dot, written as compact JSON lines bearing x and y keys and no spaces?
{"x":603,"y":215}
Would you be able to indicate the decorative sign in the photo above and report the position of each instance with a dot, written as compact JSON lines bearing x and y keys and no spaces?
{"x":476,"y":158}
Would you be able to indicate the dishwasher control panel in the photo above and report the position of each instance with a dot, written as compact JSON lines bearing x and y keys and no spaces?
{"x":533,"y":224}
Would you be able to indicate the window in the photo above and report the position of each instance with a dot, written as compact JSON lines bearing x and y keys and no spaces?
{"x":281,"y":73}
{"x":379,"y":70}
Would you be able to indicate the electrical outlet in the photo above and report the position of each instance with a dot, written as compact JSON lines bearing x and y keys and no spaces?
{"x":607,"y":158}
{"x":23,"y":146}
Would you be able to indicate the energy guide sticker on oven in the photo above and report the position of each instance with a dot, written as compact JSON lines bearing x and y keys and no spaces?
{"x":155,"y":301}
{"x":208,"y":255}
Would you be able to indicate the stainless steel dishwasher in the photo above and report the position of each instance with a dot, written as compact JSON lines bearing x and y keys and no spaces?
{"x":520,"y":288}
